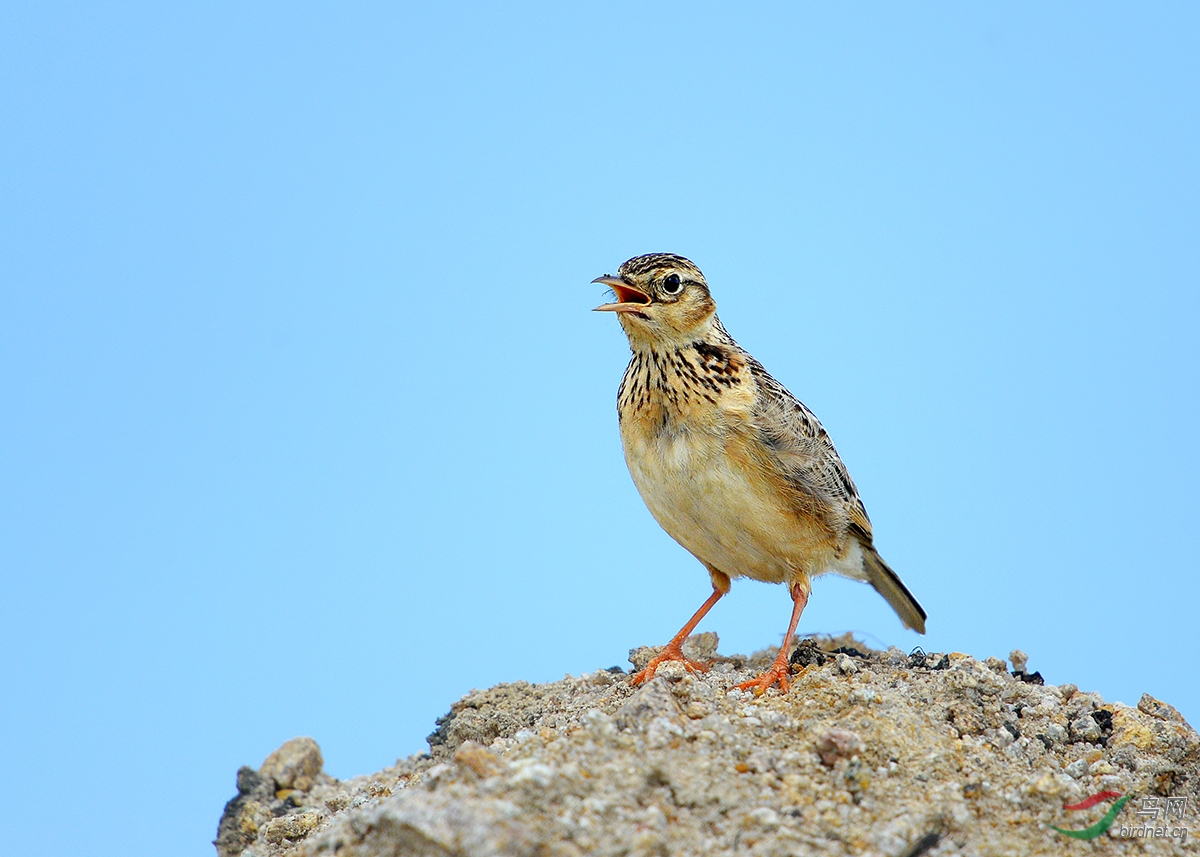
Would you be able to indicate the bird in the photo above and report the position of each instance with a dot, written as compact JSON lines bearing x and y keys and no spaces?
{"x":735,"y":468}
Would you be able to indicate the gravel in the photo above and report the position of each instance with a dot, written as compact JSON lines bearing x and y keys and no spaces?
{"x":870,"y":753}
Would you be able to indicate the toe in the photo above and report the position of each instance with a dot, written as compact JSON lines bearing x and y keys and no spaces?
{"x":761,"y":683}
{"x":668,"y":654}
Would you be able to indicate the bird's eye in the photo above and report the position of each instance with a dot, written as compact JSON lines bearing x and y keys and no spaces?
{"x":672,"y":285}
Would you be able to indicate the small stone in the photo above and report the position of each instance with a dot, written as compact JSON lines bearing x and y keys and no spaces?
{"x":1049,"y":698}
{"x":807,"y":654}
{"x":1048,"y":785}
{"x":1085,"y":729}
{"x":1127,"y":757}
{"x":1131,"y":728}
{"x":1157,"y":708}
{"x":250,"y":781}
{"x":475,"y":757}
{"x":846,"y":664}
{"x":653,"y":700}
{"x":857,"y":777}
{"x":761,"y":761}
{"x":671,"y":671}
{"x":1018,"y":659}
{"x":292,"y":827}
{"x":295,"y":765}
{"x":863,"y":696}
{"x":764,"y":817}
{"x":995,"y":665}
{"x":338,"y":802}
{"x":838,"y":744}
{"x":1076,"y":769}
{"x":701,"y":647}
{"x":642,"y":655}
{"x":1068,"y":690}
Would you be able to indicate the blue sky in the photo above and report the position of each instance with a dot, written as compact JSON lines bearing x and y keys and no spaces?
{"x":307,"y":427}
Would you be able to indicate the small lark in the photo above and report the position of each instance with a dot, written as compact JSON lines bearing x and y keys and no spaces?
{"x":730,"y":464}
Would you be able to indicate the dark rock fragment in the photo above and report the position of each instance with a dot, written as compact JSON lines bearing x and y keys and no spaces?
{"x":807,"y":654}
{"x":926,"y":843}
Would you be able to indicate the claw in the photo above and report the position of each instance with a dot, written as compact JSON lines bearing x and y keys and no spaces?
{"x":672,"y":652}
{"x":779,"y":672}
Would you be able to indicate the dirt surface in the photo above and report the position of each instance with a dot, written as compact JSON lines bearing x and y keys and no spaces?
{"x":876,"y":753}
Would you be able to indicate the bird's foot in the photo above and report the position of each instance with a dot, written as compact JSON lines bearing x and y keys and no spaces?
{"x":672,"y":652}
{"x":780,"y":672}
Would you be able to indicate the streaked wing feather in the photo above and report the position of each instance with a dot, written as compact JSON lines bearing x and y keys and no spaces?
{"x":805,"y":455}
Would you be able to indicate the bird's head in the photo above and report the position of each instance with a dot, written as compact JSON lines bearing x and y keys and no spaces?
{"x":660,"y":298}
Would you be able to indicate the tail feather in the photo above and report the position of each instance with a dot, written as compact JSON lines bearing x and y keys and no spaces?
{"x":888,"y":584}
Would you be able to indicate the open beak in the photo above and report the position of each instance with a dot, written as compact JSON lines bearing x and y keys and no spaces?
{"x":629,"y":299}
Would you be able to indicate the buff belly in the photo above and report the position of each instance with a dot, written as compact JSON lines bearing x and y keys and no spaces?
{"x":713,"y":500}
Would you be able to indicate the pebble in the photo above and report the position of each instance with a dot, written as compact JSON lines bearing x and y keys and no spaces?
{"x":836,"y":744}
{"x":764,"y":817}
{"x":1159,"y":709}
{"x":671,"y":671}
{"x":292,"y":827}
{"x":600,"y":677}
{"x":1076,"y":769}
{"x":478,"y":758}
{"x":1085,"y":729}
{"x":295,"y":765}
{"x":653,"y":700}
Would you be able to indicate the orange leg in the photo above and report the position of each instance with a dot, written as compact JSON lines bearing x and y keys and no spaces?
{"x":674,"y":649}
{"x":780,"y":670}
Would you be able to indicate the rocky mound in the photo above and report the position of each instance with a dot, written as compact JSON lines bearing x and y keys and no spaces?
{"x":878,"y":753}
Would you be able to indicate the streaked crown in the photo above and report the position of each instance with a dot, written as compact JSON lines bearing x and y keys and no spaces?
{"x":642,"y":269}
